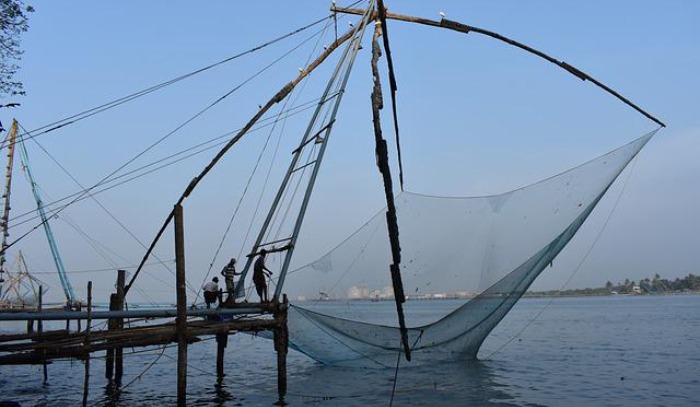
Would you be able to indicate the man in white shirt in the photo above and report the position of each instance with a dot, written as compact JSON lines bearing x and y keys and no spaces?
{"x":211,"y":292}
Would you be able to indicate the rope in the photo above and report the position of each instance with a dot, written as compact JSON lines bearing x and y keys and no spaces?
{"x":114,"y":103}
{"x":278,"y":118}
{"x":179,"y":127}
{"x":301,"y":108}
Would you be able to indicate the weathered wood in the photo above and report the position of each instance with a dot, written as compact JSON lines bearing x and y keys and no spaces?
{"x":281,"y":337}
{"x":181,"y":320}
{"x":86,"y":382}
{"x":221,"y":343}
{"x":119,"y":351}
{"x":385,"y":170}
{"x":46,"y":335}
{"x":40,"y":328}
{"x":129,"y":337}
{"x":109,"y":355}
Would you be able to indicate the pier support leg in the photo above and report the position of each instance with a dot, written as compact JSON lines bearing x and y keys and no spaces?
{"x":221,"y":343}
{"x":115,"y":356}
{"x":181,"y":320}
{"x":109,"y":355}
{"x":119,"y":352}
{"x":86,"y":382}
{"x":40,"y":329}
{"x":281,"y":347}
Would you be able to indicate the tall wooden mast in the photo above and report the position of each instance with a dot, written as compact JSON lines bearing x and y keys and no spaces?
{"x":8,"y":187}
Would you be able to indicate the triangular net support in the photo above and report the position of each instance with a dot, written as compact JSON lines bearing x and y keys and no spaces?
{"x":489,"y":249}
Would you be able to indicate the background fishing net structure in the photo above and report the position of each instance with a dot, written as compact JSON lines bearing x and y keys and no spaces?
{"x":489,"y":249}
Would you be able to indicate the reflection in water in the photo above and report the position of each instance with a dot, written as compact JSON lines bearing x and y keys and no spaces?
{"x":474,"y":383}
{"x":222,"y":395}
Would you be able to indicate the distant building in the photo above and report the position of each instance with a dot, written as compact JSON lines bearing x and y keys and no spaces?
{"x":358,"y":293}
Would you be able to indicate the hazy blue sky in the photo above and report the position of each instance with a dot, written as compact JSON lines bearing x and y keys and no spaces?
{"x":478,"y":117}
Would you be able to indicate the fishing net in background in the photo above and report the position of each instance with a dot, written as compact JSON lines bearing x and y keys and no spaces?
{"x":489,"y":249}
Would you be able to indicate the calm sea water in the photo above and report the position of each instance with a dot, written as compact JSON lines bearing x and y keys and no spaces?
{"x":608,"y":351}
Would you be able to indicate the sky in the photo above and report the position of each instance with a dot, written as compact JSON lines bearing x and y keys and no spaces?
{"x":478,"y":117}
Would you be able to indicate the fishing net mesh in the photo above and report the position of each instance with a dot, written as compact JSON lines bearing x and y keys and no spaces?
{"x":488,"y":249}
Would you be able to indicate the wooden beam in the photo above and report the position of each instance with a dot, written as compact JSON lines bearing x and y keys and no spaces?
{"x":465,"y":29}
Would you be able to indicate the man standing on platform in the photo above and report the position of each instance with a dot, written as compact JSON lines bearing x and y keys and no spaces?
{"x":229,"y":272}
{"x":260,"y":275}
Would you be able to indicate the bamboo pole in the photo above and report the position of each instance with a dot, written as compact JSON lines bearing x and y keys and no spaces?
{"x":86,"y":383}
{"x":466,"y":29}
{"x":181,"y":320}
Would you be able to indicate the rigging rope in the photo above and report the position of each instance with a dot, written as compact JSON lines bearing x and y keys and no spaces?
{"x":220,"y":99}
{"x":277,"y":119}
{"x":577,"y":268}
{"x":279,"y":96}
{"x":91,"y":241}
{"x":114,"y":103}
{"x":300,"y":109}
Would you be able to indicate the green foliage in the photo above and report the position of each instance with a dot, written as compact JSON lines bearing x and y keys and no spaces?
{"x":13,"y":22}
{"x":657,"y":285}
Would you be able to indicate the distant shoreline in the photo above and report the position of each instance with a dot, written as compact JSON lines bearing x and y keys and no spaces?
{"x":529,"y":294}
{"x":567,"y":294}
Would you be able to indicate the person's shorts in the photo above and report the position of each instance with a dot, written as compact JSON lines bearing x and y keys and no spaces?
{"x":210,"y":297}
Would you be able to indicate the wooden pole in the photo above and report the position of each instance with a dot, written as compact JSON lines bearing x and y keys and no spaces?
{"x":119,"y":352}
{"x":281,"y":346}
{"x":86,"y":383}
{"x":181,"y":320}
{"x":40,"y":328}
{"x":80,"y":328}
{"x":221,"y":343}
{"x":109,"y":354}
{"x":39,"y":307}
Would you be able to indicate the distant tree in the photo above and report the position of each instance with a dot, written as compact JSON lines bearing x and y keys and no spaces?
{"x":13,"y":22}
{"x":608,"y":286}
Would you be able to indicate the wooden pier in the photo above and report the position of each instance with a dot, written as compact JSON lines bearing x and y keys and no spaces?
{"x":190,"y":325}
{"x":42,"y":347}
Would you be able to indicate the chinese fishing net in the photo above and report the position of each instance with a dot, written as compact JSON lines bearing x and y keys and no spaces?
{"x":489,"y":249}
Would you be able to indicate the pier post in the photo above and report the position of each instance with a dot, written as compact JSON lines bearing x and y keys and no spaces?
{"x":281,"y":334}
{"x":40,"y":329}
{"x":119,"y":352}
{"x":109,"y":354}
{"x":39,"y":308}
{"x":86,"y":383}
{"x":181,"y":320}
{"x":221,"y":343}
{"x":116,"y":303}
